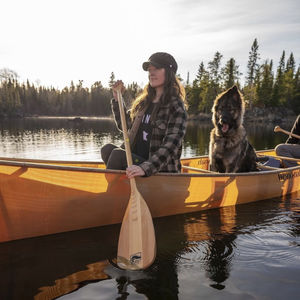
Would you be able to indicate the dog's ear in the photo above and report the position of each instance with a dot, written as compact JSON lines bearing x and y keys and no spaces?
{"x":234,"y":91}
{"x":235,"y":88}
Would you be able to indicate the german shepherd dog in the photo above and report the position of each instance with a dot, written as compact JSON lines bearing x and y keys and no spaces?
{"x":229,"y":149}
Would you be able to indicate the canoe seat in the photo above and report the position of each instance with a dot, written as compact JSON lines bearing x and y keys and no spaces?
{"x":269,"y":161}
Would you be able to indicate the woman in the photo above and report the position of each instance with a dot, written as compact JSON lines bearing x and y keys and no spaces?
{"x":157,"y":122}
{"x":291,"y":148}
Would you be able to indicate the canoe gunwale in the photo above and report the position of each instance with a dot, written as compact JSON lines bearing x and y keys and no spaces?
{"x":26,"y":164}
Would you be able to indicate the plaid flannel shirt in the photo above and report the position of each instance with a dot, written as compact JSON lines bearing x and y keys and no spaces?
{"x":168,"y":130}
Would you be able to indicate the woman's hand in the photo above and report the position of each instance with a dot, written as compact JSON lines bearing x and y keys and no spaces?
{"x":118,"y":85}
{"x":134,"y":171}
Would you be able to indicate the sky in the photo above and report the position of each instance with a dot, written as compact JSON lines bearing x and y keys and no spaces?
{"x":52,"y":42}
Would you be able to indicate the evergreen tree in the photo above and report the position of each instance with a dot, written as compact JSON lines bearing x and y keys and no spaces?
{"x":214,"y":67}
{"x":111,"y":79}
{"x":295,"y":103}
{"x":290,"y":64}
{"x":206,"y":94}
{"x":264,"y":91}
{"x":288,"y":81}
{"x":200,"y":73}
{"x":252,"y":74}
{"x":231,"y":73}
{"x":252,"y":63}
{"x":279,"y":89}
{"x":214,"y":77}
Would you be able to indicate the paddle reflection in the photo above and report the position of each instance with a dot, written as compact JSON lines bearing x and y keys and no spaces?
{"x":66,"y":266}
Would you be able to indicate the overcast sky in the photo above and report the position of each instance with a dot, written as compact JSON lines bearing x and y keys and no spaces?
{"x":55,"y":41}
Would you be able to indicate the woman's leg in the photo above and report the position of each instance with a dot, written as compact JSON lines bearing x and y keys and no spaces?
{"x":106,"y":152}
{"x":288,"y":150}
{"x":115,"y":157}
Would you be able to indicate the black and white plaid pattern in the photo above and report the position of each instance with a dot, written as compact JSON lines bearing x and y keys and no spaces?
{"x":169,"y":128}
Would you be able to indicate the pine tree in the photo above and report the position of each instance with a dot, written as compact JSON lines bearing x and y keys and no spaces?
{"x":214,"y":67}
{"x":279,"y":90}
{"x":252,"y":74}
{"x":288,"y":80}
{"x":193,"y":92}
{"x":252,"y":63}
{"x":111,"y":79}
{"x":231,"y":73}
{"x":207,"y":94}
{"x":188,"y":78}
{"x":290,"y":64}
{"x":264,"y":91}
{"x":200,"y":73}
{"x":214,"y":77}
{"x":295,"y":104}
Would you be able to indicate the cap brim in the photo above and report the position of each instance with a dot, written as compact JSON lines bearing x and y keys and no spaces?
{"x":146,"y":65}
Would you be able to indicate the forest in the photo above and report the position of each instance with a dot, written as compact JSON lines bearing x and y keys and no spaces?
{"x":264,"y":86}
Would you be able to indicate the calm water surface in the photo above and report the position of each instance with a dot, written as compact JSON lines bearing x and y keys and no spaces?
{"x":245,"y":252}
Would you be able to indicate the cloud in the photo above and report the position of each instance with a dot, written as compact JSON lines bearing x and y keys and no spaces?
{"x":59,"y":41}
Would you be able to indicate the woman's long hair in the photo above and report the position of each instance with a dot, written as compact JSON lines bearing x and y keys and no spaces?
{"x":172,"y":87}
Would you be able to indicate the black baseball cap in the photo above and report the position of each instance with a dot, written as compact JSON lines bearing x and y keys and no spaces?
{"x":161,"y":60}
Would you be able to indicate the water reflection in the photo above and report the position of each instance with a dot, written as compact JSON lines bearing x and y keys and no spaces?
{"x":230,"y":250}
{"x":61,"y":138}
{"x":201,"y":246}
{"x":57,"y":138}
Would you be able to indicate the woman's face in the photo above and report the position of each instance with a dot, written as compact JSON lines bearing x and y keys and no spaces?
{"x":156,"y":76}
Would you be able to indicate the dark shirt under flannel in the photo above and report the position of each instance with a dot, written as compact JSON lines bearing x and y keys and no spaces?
{"x":169,"y":128}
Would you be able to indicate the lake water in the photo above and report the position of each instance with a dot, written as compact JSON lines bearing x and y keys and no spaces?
{"x":245,"y":252}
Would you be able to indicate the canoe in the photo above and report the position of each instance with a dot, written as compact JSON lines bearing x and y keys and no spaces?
{"x":41,"y":197}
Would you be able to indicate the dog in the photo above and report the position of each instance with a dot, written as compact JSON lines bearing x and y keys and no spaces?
{"x":229,"y":149}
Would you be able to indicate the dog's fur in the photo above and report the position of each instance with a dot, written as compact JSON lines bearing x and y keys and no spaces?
{"x":229,"y":149}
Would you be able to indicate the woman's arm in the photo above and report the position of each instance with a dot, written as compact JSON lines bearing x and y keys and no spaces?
{"x":116,"y":113}
{"x":115,"y":105}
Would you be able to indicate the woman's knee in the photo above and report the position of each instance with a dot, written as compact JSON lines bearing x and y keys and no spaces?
{"x":106,"y":151}
{"x":117,"y":159}
{"x":280,"y":149}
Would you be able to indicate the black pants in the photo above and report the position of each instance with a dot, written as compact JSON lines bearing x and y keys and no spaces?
{"x":115,"y":157}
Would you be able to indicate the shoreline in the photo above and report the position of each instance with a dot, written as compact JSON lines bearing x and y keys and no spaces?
{"x":257,"y":115}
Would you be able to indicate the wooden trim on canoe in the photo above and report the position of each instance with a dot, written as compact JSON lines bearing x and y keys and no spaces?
{"x":198,"y":169}
{"x":50,"y":161}
{"x":55,"y":165}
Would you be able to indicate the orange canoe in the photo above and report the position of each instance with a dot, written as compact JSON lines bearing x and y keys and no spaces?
{"x":40,"y":197}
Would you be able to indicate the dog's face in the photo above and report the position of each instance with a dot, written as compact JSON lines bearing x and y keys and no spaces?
{"x":228,"y":111}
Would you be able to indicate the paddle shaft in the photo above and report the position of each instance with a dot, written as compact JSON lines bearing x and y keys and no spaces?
{"x":125,"y":135}
{"x":279,"y":129}
{"x":137,"y":245}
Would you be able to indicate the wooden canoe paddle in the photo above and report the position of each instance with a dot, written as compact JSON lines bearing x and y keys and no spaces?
{"x":137,"y":245}
{"x":278,"y":129}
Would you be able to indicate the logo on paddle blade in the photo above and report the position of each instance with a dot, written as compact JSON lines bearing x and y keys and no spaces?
{"x":135,"y":258}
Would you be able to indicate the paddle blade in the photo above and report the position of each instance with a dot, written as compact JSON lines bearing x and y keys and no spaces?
{"x":137,"y":246}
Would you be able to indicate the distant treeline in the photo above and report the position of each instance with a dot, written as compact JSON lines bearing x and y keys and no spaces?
{"x":26,"y":99}
{"x":263,"y":87}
